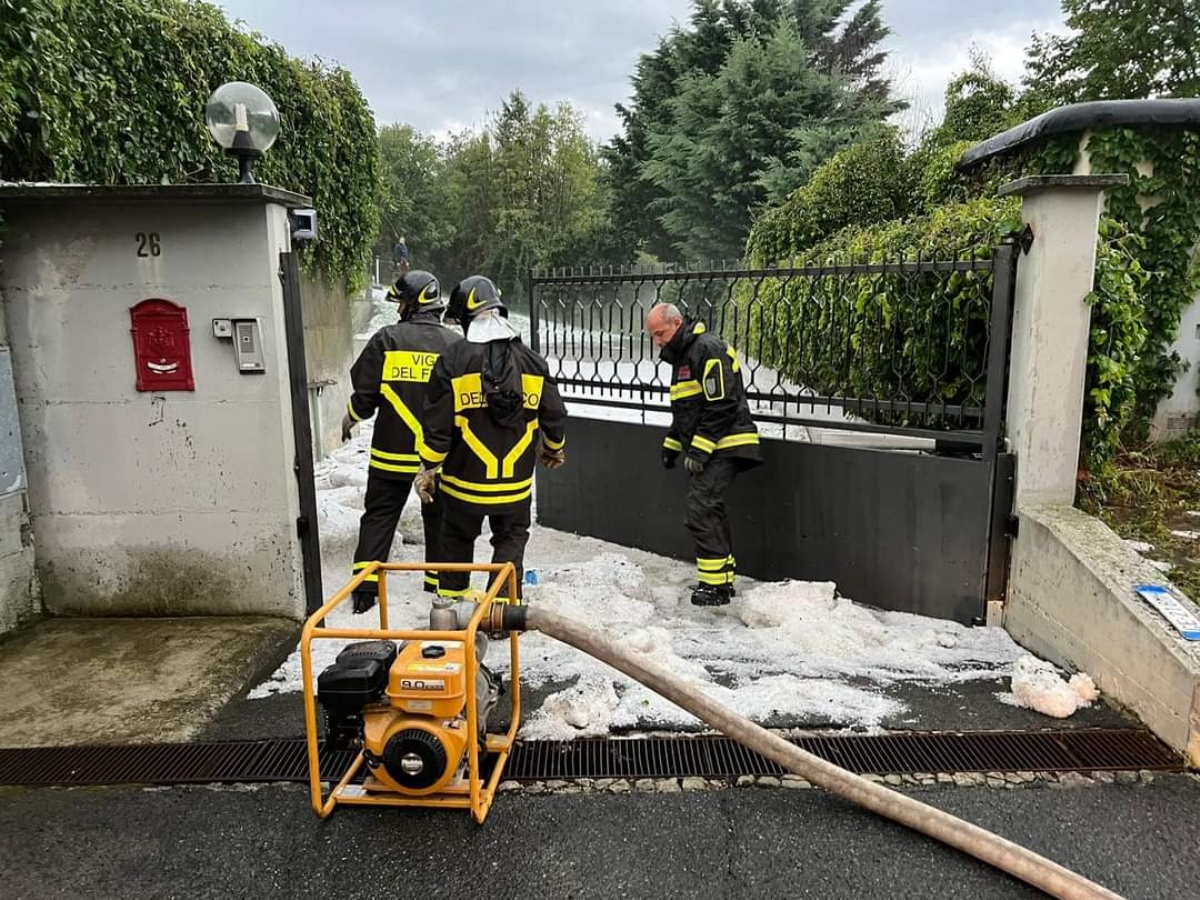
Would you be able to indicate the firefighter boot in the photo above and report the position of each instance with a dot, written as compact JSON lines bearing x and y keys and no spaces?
{"x":364,"y":601}
{"x":711,"y":595}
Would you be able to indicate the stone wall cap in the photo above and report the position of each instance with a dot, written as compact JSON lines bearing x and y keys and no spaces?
{"x":25,"y":193}
{"x":1036,"y":183}
{"x":1095,"y":115}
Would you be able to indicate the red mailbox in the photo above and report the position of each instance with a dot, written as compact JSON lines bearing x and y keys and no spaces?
{"x":161,"y":347}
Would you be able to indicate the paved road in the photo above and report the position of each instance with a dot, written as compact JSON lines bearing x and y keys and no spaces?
{"x":1139,"y":840}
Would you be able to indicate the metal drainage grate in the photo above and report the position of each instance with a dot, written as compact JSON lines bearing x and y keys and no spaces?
{"x":166,"y":763}
{"x":705,"y":756}
{"x":719,"y":757}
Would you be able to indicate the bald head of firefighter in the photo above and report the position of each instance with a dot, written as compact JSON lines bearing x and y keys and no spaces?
{"x":662,"y":322}
{"x":712,"y":428}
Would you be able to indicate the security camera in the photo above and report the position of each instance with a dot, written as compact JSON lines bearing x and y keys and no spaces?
{"x":304,"y":224}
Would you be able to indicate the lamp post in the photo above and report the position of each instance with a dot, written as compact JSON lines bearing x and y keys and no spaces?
{"x":244,"y":121}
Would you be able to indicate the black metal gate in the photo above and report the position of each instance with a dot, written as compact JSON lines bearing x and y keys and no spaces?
{"x":306,"y":522}
{"x":880,"y":390}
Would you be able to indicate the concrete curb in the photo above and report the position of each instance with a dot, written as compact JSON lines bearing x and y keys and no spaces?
{"x":988,"y":780}
{"x":1071,"y":600}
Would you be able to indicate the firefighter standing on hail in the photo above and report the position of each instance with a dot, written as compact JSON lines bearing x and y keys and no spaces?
{"x":391,"y":375}
{"x":711,"y":424}
{"x":493,"y":411}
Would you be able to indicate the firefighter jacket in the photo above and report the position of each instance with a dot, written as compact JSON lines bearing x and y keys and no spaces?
{"x":489,"y":406}
{"x":709,"y":412}
{"x":391,"y":375}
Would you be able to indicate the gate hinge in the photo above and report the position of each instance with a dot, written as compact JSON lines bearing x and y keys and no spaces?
{"x":1026,"y":239}
{"x":1012,"y":526}
{"x":302,"y":526}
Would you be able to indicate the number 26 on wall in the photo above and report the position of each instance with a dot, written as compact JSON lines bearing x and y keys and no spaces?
{"x":148,"y":243}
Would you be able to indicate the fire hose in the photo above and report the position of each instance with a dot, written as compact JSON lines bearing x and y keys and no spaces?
{"x":1042,"y":873}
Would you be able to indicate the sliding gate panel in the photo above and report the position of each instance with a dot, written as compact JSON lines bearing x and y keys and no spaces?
{"x":896,"y":530}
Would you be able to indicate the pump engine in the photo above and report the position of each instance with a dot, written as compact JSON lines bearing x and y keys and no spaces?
{"x":406,"y":709}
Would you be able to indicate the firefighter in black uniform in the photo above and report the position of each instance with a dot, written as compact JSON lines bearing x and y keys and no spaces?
{"x":493,"y":411}
{"x":392,"y":376}
{"x":711,"y":423}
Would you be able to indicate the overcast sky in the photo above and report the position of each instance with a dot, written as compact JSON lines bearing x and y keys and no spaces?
{"x":442,"y":65}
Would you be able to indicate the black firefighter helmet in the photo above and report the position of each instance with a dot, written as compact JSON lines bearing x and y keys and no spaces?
{"x":475,"y":295}
{"x":416,"y":291}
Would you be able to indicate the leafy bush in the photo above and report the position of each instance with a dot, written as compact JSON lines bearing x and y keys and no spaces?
{"x":1168,"y":227}
{"x":863,"y":184}
{"x":1118,"y":335}
{"x":113,"y":92}
{"x":938,"y":180}
{"x":923,"y":338}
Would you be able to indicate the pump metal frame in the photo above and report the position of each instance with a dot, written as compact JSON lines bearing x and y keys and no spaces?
{"x":475,"y":795}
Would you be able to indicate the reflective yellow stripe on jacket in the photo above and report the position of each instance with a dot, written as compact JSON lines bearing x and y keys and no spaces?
{"x":490,"y":493}
{"x":684,"y":389}
{"x":726,"y":443}
{"x":518,"y":450}
{"x":490,"y":462}
{"x":738,"y":440}
{"x":405,"y":414}
{"x":405,"y":463}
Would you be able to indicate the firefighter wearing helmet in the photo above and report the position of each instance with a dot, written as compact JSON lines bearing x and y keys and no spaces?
{"x":494,"y":411}
{"x":391,"y":382}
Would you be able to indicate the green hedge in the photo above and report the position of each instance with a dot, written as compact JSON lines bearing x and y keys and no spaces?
{"x":921,"y":338}
{"x":924,"y":338}
{"x":1118,"y":341}
{"x":866,"y":183}
{"x":113,"y":92}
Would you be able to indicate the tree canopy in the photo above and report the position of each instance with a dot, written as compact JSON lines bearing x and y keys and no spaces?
{"x":734,"y":111}
{"x":523,"y":192}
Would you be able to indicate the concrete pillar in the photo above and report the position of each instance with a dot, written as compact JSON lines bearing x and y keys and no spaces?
{"x":1050,"y":331}
{"x":168,"y":500}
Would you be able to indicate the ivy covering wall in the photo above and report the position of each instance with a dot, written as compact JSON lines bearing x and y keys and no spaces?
{"x":939,"y":212}
{"x":1161,"y":204}
{"x":113,"y":92}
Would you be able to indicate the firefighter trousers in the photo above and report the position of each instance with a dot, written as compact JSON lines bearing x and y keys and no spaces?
{"x":461,"y":525}
{"x":708,"y":521}
{"x":382,"y":507}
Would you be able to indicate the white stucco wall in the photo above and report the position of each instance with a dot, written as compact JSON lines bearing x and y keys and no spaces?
{"x":176,"y":503}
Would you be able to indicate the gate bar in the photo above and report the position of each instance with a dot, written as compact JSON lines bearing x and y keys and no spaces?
{"x":306,"y":522}
{"x":999,"y":341}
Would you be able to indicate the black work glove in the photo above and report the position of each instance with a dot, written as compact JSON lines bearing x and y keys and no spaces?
{"x":364,"y":601}
{"x":693,"y":464}
{"x":347,"y":427}
{"x":669,"y":457}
